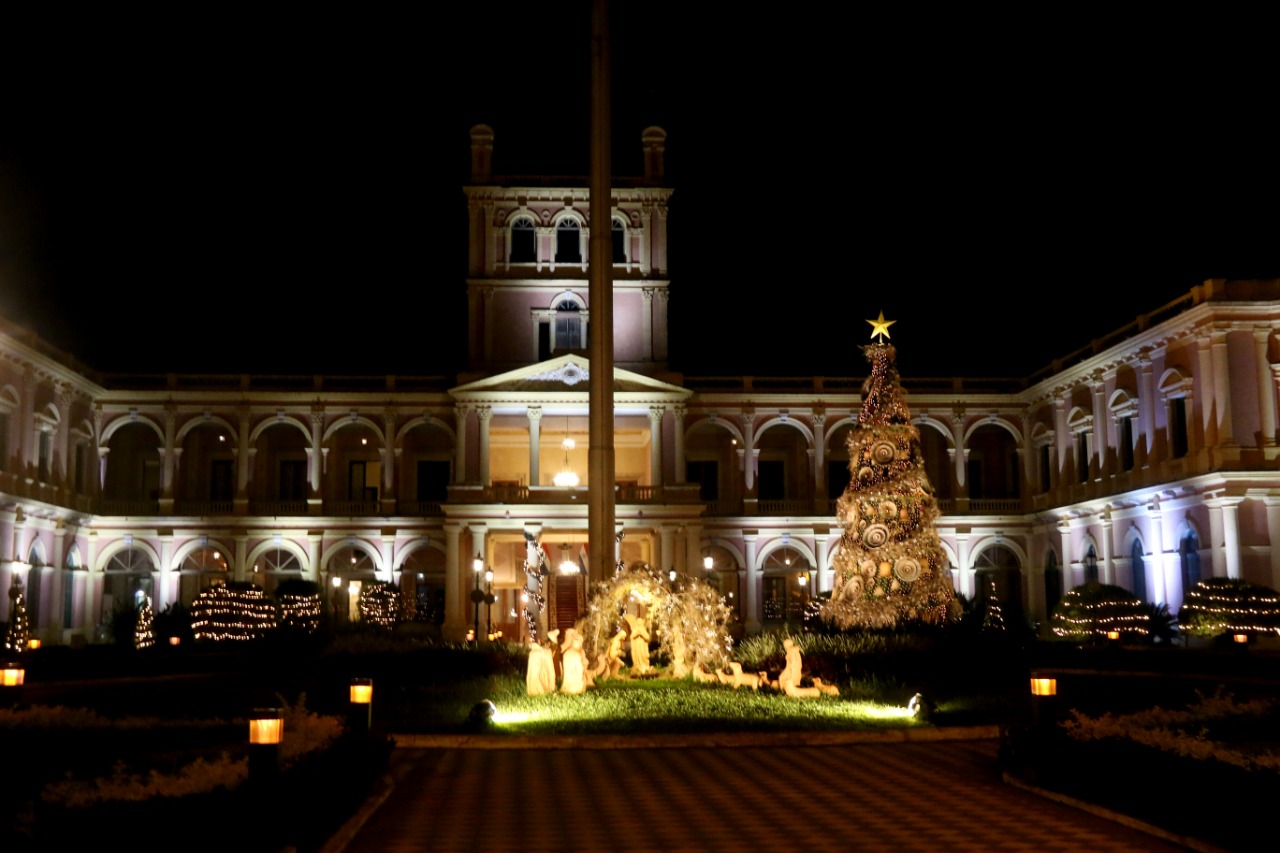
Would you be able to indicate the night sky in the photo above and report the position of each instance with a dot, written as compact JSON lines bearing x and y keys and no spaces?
{"x":203,"y":191}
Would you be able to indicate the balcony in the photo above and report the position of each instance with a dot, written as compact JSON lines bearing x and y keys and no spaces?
{"x":278,"y":508}
{"x":116,"y":506}
{"x":424,"y":508}
{"x":204,"y":507}
{"x":353,"y":508}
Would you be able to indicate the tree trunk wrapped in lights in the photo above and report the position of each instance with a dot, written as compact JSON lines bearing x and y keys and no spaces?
{"x":889,"y":566}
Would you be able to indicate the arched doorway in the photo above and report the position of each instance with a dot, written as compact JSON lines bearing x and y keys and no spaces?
{"x":998,"y":573}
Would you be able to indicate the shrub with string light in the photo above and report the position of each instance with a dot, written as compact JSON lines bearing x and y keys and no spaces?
{"x":1088,"y":612}
{"x":19,"y":632}
{"x":301,"y":605}
{"x":1217,"y":606}
{"x":380,"y":604}
{"x":235,"y":610}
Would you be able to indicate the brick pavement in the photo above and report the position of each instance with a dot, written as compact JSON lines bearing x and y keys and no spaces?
{"x":839,"y":797}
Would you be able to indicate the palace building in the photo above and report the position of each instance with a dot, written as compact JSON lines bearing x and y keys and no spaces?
{"x":1148,"y":460}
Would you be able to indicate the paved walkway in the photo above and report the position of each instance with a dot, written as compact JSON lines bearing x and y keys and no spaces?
{"x":945,"y":795}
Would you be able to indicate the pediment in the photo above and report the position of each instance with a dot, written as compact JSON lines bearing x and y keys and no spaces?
{"x":565,"y":374}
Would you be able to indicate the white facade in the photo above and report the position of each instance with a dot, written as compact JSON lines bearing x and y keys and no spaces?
{"x":1147,"y":461}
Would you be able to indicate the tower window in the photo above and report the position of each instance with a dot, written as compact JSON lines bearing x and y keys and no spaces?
{"x":523,"y":247}
{"x":619,"y":235}
{"x":568,"y":242}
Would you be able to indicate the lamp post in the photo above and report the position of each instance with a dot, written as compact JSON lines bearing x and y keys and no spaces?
{"x":804,"y":600}
{"x":477,"y":566}
{"x":489,"y":599}
{"x":266,"y":730}
{"x":361,"y":710}
{"x":12,"y":675}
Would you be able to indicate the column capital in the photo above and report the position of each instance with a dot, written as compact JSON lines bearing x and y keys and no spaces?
{"x":485,"y":413}
{"x":534,"y":414}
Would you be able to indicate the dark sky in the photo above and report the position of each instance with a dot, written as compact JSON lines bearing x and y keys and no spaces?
{"x":280,"y":193}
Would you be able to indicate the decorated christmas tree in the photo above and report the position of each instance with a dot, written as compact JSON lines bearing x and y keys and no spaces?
{"x":992,"y":616}
{"x":890,"y":566}
{"x":19,"y":632}
{"x":144,"y":636}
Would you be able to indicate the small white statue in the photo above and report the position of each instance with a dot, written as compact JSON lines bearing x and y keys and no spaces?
{"x":540,"y":677}
{"x":790,"y":674}
{"x":574,"y":661}
{"x":639,"y":644}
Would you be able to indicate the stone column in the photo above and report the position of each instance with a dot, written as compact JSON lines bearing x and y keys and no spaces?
{"x":486,"y":295}
{"x":823,"y":580}
{"x":389,"y":458}
{"x":462,"y":415}
{"x":455,"y":593}
{"x":485,"y":414}
{"x":678,"y":451}
{"x":655,"y":446}
{"x":1218,"y":554}
{"x":1224,"y":511}
{"x":534,"y":414}
{"x":168,"y":458}
{"x":1062,"y":436}
{"x":961,"y":456}
{"x":244,"y":473}
{"x":1205,"y":374}
{"x":965,"y":573}
{"x":314,"y":453}
{"x":666,"y":548}
{"x":748,"y":419}
{"x":1108,"y":549}
{"x":1098,"y":466}
{"x":1070,"y":578}
{"x":752,"y":603}
{"x":646,"y":323}
{"x":693,"y":549}
{"x":1160,"y":584}
{"x":1266,"y":386}
{"x":166,"y":577}
{"x":1146,"y":402}
{"x":1272,"y":504}
{"x":819,"y":460}
{"x":1221,"y":399}
{"x":61,"y":463}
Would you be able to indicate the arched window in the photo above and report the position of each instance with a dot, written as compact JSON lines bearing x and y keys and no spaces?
{"x":1189,"y":561}
{"x":1090,"y":565}
{"x":129,"y":579}
{"x":1139,"y":571}
{"x":35,"y":585}
{"x":275,"y":565}
{"x":619,"y":235}
{"x":422,"y":577}
{"x":204,"y":567}
{"x":997,"y":572}
{"x":523,"y":246}
{"x":351,"y":567}
{"x":568,"y":327}
{"x":568,"y":242}
{"x":784,"y":595}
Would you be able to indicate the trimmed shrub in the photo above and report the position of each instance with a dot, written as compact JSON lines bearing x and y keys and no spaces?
{"x":1088,"y":612}
{"x":1217,"y":606}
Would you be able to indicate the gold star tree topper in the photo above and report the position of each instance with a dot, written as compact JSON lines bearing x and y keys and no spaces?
{"x":880,"y":326}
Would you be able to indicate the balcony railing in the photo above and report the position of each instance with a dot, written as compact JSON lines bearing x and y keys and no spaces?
{"x":353,"y":508}
{"x":987,"y":505}
{"x":788,"y":506}
{"x":204,"y":507}
{"x":431,"y":508}
{"x":277,"y":508}
{"x":115,"y":506}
